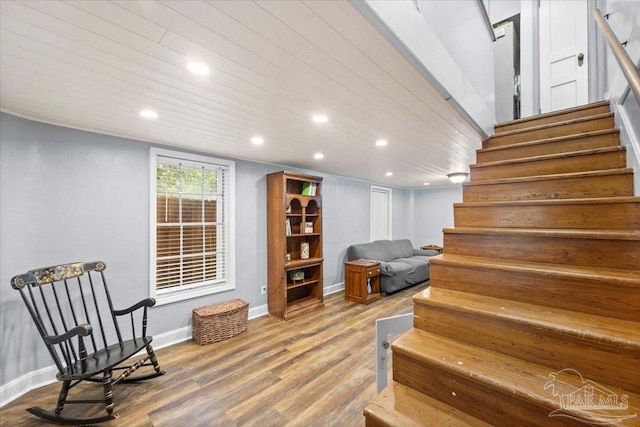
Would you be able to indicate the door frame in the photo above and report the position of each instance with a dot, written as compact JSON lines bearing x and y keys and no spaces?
{"x":389,"y":191}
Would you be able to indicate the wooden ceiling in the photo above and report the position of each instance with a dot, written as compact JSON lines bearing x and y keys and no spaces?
{"x":95,"y":64}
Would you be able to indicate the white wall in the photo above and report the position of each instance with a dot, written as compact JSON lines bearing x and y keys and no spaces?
{"x":461,"y":28}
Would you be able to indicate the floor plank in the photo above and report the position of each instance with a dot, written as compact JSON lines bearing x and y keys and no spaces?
{"x":315,"y":370}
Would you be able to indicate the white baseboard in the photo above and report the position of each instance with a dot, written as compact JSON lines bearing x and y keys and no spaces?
{"x":27,"y":382}
{"x":45,"y":376}
{"x":338,"y":287}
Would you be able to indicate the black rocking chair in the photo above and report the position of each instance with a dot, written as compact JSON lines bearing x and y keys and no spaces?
{"x":73,"y":312}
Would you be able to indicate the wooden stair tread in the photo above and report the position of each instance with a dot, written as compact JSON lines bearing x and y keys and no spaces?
{"x":550,"y":140}
{"x":399,"y":405}
{"x":616,"y":276}
{"x":548,"y":157}
{"x":599,"y":329}
{"x":620,"y":171}
{"x":558,"y":233}
{"x":553,"y":113}
{"x":510,"y":376}
{"x":546,"y":202}
{"x":553,"y":125}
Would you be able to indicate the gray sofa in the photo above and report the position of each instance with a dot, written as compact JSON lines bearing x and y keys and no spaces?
{"x":401,"y":265}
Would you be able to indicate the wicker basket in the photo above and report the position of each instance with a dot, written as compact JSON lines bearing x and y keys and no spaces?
{"x":218,"y":322}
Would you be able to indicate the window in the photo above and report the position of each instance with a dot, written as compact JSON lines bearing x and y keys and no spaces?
{"x":192,"y":230}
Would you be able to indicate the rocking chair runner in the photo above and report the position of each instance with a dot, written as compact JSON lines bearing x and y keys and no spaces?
{"x":73,"y":312}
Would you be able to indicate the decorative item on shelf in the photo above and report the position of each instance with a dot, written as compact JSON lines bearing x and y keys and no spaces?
{"x":308,"y":227}
{"x":296,"y":276}
{"x":288,"y":209}
{"x":288,"y":257}
{"x":304,"y":250}
{"x":288,"y":225}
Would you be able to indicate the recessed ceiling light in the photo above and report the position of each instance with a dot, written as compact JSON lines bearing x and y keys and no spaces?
{"x":389,"y":174}
{"x":149,"y":114}
{"x":320,"y":118}
{"x":198,"y":68}
{"x":426,"y":183}
{"x":381,"y":142}
{"x":318,"y":156}
{"x":257,"y":140}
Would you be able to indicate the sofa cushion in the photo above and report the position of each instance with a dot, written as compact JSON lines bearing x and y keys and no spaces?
{"x":395,"y":267}
{"x":381,"y":250}
{"x":401,"y":248}
{"x":375,"y":250}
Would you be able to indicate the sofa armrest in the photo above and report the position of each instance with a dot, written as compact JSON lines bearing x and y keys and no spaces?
{"x":425,"y":252}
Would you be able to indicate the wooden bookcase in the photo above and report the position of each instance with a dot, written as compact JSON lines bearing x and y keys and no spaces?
{"x":294,"y":216}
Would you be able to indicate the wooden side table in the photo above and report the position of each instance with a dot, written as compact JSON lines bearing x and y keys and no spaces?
{"x":432,"y":247}
{"x":357,"y":274}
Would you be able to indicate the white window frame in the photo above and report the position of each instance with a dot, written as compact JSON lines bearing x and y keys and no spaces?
{"x":166,"y":296}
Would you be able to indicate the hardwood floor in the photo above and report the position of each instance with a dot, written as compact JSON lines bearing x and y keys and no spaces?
{"x":315,"y":370}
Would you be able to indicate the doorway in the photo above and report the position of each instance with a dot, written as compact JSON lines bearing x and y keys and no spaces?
{"x":564,"y":75}
{"x":380,"y":218}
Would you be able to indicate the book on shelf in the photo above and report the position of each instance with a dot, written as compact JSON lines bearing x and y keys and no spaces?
{"x":288,"y":226}
{"x":309,"y":188}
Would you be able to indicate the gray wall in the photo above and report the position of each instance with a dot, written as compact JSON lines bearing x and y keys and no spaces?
{"x":68,"y":195}
{"x":434,"y":203}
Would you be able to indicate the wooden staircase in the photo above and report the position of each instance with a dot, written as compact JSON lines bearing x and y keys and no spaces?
{"x":536,"y":297}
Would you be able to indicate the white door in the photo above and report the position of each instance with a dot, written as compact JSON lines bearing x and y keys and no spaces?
{"x":380,"y":213}
{"x":563,"y":54}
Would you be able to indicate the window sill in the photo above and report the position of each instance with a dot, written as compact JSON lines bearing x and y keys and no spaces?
{"x":172,"y":296}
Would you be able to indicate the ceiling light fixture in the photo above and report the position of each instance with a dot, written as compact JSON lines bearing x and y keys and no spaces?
{"x":458,"y":177}
{"x":426,"y":183}
{"x":389,"y":174}
{"x":198,"y":68}
{"x":381,"y":142}
{"x":149,"y":114}
{"x":257,"y":140}
{"x":320,"y":118}
{"x":318,"y":156}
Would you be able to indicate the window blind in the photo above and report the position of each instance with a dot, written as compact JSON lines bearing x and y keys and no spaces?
{"x":191,"y":223}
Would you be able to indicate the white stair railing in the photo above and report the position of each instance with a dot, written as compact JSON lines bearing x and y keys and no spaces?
{"x":384,"y":327}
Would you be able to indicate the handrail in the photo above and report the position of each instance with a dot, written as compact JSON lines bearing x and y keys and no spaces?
{"x":628,"y":67}
{"x":487,"y":21}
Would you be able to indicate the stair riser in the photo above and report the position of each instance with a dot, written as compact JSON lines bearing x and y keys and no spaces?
{"x":532,"y":343}
{"x":477,"y":399}
{"x":599,"y":109}
{"x":578,"y":163}
{"x":592,"y":296}
{"x":613,"y":216}
{"x":609,"y":253}
{"x":550,"y":147}
{"x":552,"y":132}
{"x":615,"y":185}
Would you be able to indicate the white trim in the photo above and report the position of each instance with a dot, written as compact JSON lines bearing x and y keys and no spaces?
{"x":625,"y":122}
{"x":170,"y":296}
{"x":334,"y":289}
{"x":389,"y":191}
{"x":27,"y":382}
